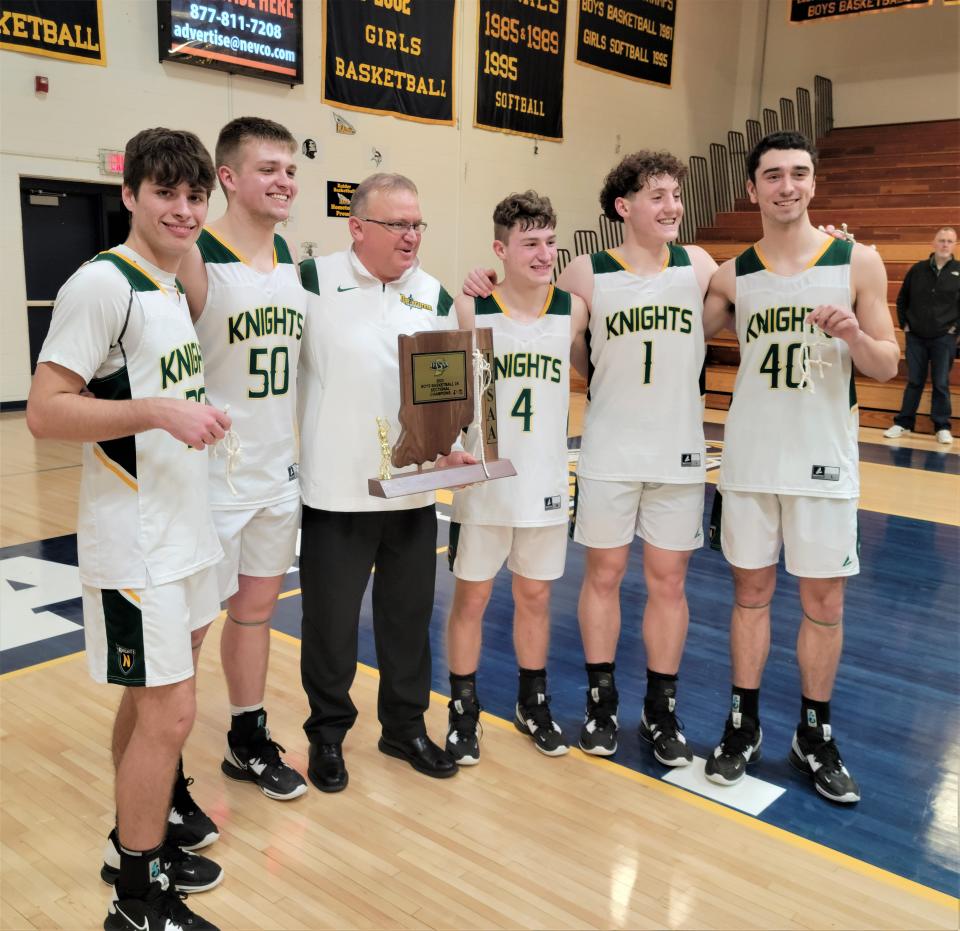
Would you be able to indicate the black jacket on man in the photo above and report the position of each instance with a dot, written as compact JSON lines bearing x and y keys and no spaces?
{"x":929,"y":302}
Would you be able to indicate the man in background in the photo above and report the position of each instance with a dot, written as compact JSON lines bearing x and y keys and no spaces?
{"x":928,"y":308}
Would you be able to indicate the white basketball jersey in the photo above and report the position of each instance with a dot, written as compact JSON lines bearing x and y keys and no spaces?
{"x":778,"y":438}
{"x":250,"y":330}
{"x":644,"y":417}
{"x":144,"y":515}
{"x":532,"y":378}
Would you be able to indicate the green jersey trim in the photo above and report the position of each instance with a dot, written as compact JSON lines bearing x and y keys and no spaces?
{"x":605,"y":262}
{"x":136,"y":277}
{"x":486,"y":305}
{"x":679,"y":258}
{"x":308,"y":276}
{"x":213,"y":251}
{"x":749,"y":263}
{"x":560,"y":303}
{"x":839,"y":252}
{"x":444,"y":303}
{"x":281,"y":250}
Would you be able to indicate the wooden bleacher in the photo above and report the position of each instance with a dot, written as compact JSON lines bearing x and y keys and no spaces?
{"x":894,"y":186}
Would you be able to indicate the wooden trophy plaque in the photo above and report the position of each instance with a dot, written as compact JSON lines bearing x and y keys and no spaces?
{"x":436,"y":403}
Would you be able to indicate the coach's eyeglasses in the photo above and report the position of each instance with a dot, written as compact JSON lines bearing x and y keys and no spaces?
{"x":398,"y":226}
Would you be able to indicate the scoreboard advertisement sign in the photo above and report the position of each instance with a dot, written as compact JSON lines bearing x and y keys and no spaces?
{"x":258,"y":38}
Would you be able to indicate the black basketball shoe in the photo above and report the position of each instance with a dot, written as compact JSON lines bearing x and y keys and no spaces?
{"x":534,"y":719}
{"x":257,"y":759}
{"x":464,"y":730}
{"x":660,"y":726}
{"x":162,"y":909}
{"x":187,"y":826}
{"x":815,"y":752}
{"x":598,"y":736}
{"x":739,"y":746}
{"x":189,"y":872}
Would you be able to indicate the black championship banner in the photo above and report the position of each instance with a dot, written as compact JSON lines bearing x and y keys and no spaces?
{"x":390,"y":56}
{"x":805,"y":11}
{"x":520,"y":67}
{"x":70,"y":29}
{"x":633,"y":38}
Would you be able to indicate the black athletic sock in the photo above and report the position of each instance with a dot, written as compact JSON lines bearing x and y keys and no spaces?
{"x":526,"y":686}
{"x":463,"y":686}
{"x":813,"y":714}
{"x":138,"y":868}
{"x":245,"y":725}
{"x":746,"y":701}
{"x":596,"y":670}
{"x":600,"y":676}
{"x":659,"y":685}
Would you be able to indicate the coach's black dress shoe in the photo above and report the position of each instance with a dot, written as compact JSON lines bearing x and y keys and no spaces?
{"x":326,"y":770}
{"x":422,"y":754}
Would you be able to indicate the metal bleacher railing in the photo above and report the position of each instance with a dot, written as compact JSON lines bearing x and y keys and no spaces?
{"x":714,"y":186}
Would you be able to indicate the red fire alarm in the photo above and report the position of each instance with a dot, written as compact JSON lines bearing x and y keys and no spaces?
{"x":41,"y":84}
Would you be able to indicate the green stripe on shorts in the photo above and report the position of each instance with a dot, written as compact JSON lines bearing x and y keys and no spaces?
{"x":123,"y":621}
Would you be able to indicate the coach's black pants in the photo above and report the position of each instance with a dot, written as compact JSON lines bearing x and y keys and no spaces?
{"x":337,"y":552}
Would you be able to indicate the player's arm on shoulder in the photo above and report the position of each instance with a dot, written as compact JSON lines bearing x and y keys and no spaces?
{"x":465,"y":310}
{"x":480,"y":282}
{"x":703,"y":266}
{"x":718,"y":304}
{"x":579,"y":318}
{"x":193,"y":276}
{"x":866,"y":327}
{"x":577,"y":278}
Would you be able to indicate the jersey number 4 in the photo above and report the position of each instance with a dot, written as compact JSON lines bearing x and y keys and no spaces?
{"x":523,"y":407}
{"x":272,"y":367}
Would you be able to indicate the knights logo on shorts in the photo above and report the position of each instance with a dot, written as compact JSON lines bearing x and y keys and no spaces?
{"x":125,"y":658}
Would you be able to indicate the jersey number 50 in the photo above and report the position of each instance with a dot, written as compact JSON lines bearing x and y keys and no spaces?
{"x":273,"y":372}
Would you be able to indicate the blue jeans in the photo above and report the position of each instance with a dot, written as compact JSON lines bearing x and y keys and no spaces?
{"x":936,"y":354}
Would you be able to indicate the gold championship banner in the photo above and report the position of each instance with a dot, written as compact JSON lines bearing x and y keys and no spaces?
{"x":390,"y":56}
{"x":70,"y":29}
{"x":520,"y":47}
{"x":805,"y":11}
{"x":633,"y":38}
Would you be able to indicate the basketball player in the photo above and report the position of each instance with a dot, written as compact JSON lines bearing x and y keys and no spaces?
{"x":790,"y":474}
{"x":121,"y":371}
{"x":248,"y":307}
{"x":522,"y":519}
{"x":641,"y":470}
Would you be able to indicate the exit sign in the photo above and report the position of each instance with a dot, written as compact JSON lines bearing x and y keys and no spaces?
{"x":111,"y":162}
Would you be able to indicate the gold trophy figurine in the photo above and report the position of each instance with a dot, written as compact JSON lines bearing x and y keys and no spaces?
{"x":383,"y":429}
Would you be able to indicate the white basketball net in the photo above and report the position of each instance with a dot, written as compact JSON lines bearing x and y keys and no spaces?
{"x":812,"y":345}
{"x":230,"y":447}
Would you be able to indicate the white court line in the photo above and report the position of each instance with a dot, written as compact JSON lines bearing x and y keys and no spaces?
{"x":750,"y":795}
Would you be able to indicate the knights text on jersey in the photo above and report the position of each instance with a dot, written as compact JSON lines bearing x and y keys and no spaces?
{"x":780,"y":438}
{"x":144,"y":516}
{"x":644,"y":417}
{"x":251,"y":330}
{"x":349,"y":376}
{"x":532,"y":378}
